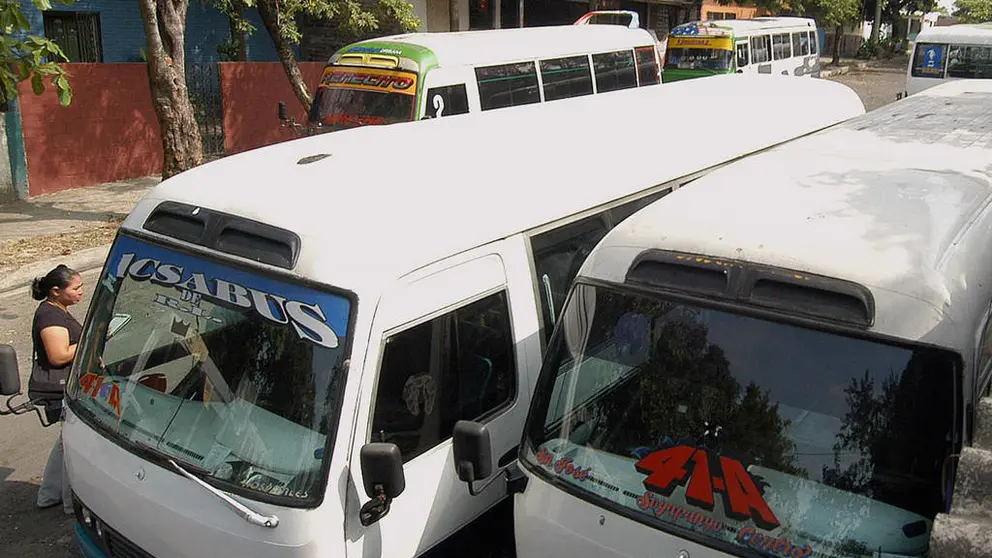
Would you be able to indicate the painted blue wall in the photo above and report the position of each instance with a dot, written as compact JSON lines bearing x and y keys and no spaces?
{"x":123,"y":33}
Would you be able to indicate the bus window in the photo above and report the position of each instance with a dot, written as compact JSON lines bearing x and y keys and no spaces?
{"x":446,"y":101}
{"x":800,"y":43}
{"x":566,"y":77}
{"x":929,"y":60}
{"x":507,"y":85}
{"x":761,"y":49}
{"x":780,"y":46}
{"x":614,"y":70}
{"x":969,"y":62}
{"x":647,"y":66}
{"x":814,"y":42}
{"x":742,"y":55}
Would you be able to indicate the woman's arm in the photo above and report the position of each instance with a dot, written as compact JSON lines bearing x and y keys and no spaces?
{"x":57,"y":347}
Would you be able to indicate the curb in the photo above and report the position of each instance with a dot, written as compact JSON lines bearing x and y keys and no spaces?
{"x":83,"y":260}
{"x":838,"y":71}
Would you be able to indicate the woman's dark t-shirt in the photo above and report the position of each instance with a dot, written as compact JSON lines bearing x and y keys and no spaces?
{"x":48,"y":315}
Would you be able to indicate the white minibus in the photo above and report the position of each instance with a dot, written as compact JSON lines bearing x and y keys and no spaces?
{"x":400,"y":78}
{"x":961,"y":51}
{"x":309,"y":320}
{"x":783,"y":360}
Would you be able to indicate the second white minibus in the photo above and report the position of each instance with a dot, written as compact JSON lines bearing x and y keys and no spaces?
{"x":783,"y":360}
{"x":947,"y":53}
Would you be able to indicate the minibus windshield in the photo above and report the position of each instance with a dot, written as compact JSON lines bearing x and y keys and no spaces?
{"x":712,"y":59}
{"x":233,"y":374}
{"x":349,"y":97}
{"x":754,"y":436}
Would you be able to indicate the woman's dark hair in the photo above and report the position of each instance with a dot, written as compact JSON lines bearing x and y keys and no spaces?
{"x":59,"y":277}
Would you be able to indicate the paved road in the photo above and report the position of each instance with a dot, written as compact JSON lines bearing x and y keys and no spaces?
{"x":877,"y":87}
{"x":24,"y":446}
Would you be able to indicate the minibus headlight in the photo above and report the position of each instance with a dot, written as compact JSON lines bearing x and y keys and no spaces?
{"x":87,"y":517}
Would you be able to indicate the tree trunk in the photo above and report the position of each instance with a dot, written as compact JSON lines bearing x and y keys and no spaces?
{"x":453,"y":23}
{"x":876,"y":26}
{"x":838,"y":39}
{"x":182,"y":146}
{"x":270,"y":18}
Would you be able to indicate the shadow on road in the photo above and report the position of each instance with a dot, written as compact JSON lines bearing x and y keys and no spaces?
{"x":28,"y":531}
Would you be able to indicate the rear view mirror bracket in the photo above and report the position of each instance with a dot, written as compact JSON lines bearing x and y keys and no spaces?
{"x":10,"y":385}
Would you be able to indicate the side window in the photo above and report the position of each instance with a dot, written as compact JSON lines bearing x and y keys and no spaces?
{"x":614,"y":70}
{"x":742,"y":57}
{"x":985,"y":358}
{"x":508,"y":85}
{"x":814,"y":42}
{"x":929,"y":60}
{"x":971,"y":61}
{"x":780,"y":46}
{"x":566,"y":77}
{"x":761,"y":49}
{"x":797,"y":43}
{"x":647,"y":66}
{"x":558,"y":255}
{"x":446,"y":101}
{"x":457,"y":366}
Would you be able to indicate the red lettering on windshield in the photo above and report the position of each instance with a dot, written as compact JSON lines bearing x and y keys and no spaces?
{"x":667,"y":469}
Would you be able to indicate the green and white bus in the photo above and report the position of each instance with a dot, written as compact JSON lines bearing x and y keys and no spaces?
{"x":763,"y":45}
{"x":426,"y":75}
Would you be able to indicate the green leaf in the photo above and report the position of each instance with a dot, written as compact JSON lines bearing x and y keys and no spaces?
{"x":23,"y":70}
{"x":65,"y":93}
{"x":43,"y":5}
{"x":37,"y":84}
{"x":20,"y":21}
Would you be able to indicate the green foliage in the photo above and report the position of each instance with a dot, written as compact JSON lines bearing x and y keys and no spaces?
{"x":29,"y":57}
{"x":353,"y":20}
{"x":973,"y":11}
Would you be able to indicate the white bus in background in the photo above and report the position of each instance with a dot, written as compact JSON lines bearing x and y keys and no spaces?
{"x":784,"y":359}
{"x":310,"y":319}
{"x":400,"y":78}
{"x":961,"y":51}
{"x":763,"y":45}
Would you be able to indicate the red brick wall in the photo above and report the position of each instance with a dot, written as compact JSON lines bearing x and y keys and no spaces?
{"x":109,"y":132}
{"x":252,"y":91}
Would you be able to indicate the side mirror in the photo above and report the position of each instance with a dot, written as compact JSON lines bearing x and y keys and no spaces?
{"x":282,"y":111}
{"x":382,"y":471}
{"x":472,"y":452}
{"x":10,"y":378}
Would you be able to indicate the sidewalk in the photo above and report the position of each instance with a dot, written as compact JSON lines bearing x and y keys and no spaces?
{"x":74,"y":227}
{"x":845,"y":65}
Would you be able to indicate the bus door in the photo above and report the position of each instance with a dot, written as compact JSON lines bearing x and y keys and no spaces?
{"x":743,"y":55}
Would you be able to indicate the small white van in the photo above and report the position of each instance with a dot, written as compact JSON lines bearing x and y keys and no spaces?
{"x":947,"y":53}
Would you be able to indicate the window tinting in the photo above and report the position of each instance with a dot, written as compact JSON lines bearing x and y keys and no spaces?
{"x":761,"y":49}
{"x":780,"y":46}
{"x":446,"y":101}
{"x":507,"y":85}
{"x":457,"y":366}
{"x":647,"y":66}
{"x":800,"y":43}
{"x":614,"y":70}
{"x":742,"y":58}
{"x":737,"y":428}
{"x":969,"y":62}
{"x":814,"y":42}
{"x":566,"y":77}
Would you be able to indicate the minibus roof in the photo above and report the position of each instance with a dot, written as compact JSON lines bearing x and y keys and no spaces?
{"x":762,"y":24}
{"x":896,"y":200}
{"x":966,"y":33}
{"x":495,"y":46}
{"x":388,"y":200}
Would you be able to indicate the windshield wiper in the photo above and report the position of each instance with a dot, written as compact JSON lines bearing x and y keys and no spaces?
{"x":253,"y":517}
